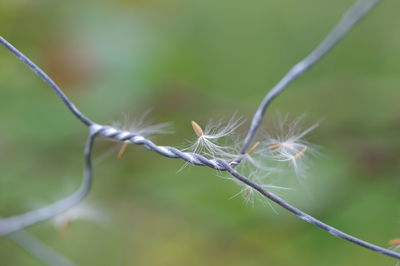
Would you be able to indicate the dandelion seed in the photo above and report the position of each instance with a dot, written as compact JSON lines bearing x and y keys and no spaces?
{"x":253,"y":148}
{"x":247,"y":157}
{"x":394,"y":242}
{"x":216,"y":140}
{"x":251,"y":159}
{"x":122,"y":150}
{"x":250,"y":195}
{"x":300,"y":153}
{"x":287,"y":144}
{"x":276,"y":146}
{"x":197,"y":129}
{"x":264,"y":180}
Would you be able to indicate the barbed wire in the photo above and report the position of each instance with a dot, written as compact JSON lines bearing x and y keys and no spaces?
{"x":16,"y":223}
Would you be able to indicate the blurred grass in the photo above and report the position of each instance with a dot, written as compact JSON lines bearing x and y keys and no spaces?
{"x":195,"y":60}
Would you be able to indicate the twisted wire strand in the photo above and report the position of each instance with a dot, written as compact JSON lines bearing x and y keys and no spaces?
{"x":16,"y":223}
{"x":166,"y":151}
{"x":345,"y":24}
{"x":222,"y":165}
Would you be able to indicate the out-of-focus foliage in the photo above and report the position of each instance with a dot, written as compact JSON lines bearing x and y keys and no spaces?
{"x":196,"y":60}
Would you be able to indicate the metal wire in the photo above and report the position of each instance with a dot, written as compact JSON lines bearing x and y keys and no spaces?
{"x":19,"y":222}
{"x":39,"y":250}
{"x":16,"y":223}
{"x":346,"y":23}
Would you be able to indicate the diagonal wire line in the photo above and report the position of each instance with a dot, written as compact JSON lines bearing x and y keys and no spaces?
{"x":39,"y":250}
{"x":19,"y":222}
{"x":345,"y":24}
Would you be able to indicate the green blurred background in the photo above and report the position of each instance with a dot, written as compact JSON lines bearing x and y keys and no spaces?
{"x":196,"y":60}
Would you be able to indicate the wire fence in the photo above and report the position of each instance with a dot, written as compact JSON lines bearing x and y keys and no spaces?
{"x":291,"y":151}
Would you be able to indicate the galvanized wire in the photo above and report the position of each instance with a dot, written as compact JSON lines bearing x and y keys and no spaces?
{"x":346,"y":23}
{"x":16,"y":223}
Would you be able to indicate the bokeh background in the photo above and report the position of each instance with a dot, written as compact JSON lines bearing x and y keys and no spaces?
{"x":196,"y":60}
